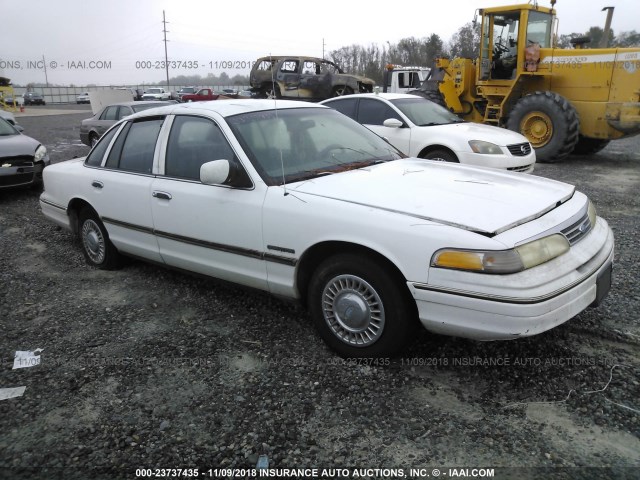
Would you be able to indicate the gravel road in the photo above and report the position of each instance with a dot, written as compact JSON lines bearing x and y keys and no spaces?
{"x":148,"y":368}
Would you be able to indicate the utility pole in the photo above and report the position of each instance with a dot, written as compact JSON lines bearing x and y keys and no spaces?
{"x":166,"y":58}
{"x":323,"y":45}
{"x":44,"y":64}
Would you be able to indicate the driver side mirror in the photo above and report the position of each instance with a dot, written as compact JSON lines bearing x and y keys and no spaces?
{"x":215,"y":172}
{"x":393,"y":123}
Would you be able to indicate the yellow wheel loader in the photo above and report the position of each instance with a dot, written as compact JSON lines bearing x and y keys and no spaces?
{"x":562,"y":100}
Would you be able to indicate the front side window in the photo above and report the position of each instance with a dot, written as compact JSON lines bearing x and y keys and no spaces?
{"x":539,"y":29}
{"x":133,"y":150}
{"x":375,"y":112}
{"x":192,"y":142}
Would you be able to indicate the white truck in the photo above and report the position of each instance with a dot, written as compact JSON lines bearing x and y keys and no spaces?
{"x":401,"y":79}
{"x":156,"y":93}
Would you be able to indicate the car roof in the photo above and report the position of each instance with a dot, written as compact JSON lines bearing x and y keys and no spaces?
{"x":226,"y":108}
{"x":386,"y":96}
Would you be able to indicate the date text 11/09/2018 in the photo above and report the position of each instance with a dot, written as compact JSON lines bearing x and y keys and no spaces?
{"x":193,"y":64}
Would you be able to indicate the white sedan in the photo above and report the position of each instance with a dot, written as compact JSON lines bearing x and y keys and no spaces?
{"x":421,"y":128}
{"x":305,"y":203}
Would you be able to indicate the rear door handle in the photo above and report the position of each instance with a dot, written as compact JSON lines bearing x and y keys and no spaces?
{"x":97,"y":184}
{"x":162,"y":195}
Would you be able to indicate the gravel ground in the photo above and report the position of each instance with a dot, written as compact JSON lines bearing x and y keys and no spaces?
{"x":149,"y":368}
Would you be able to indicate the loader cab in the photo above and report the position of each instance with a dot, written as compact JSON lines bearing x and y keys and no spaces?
{"x":505,"y":33}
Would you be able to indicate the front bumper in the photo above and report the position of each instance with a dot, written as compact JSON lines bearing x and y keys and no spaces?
{"x":524,"y":164}
{"x":483,"y":316}
{"x":22,"y":176}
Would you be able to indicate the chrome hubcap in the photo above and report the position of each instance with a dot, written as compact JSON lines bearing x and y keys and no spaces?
{"x":353,"y":310}
{"x":93,"y":241}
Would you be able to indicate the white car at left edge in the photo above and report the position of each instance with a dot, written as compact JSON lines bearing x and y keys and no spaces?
{"x":301,"y":201}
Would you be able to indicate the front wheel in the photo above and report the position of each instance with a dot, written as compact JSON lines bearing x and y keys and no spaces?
{"x":440,"y":156}
{"x":549,"y":122}
{"x":94,"y":239}
{"x":359,"y":308}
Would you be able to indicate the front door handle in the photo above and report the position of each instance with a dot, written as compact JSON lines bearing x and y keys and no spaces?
{"x":162,"y":195}
{"x":97,"y":184}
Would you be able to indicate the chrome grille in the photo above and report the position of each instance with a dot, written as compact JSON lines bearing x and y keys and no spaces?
{"x":520,"y":149}
{"x":578,"y":230}
{"x":523,"y":168}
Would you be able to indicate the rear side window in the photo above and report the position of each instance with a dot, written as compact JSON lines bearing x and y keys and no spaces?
{"x":97,"y":154}
{"x":346,"y":106}
{"x":110,"y":113}
{"x":133,"y":150}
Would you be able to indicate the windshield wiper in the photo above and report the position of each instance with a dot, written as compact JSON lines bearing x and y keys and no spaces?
{"x":430,"y":124}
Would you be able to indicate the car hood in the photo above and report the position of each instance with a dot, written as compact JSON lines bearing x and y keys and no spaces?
{"x":482,"y":200}
{"x":479,"y":131}
{"x":14,"y":145}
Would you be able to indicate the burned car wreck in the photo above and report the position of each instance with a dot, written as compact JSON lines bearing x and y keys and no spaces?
{"x":304,"y":78}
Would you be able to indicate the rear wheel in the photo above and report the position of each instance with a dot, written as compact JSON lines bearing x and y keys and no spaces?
{"x":93,"y":139}
{"x":587,"y":146}
{"x":94,"y":239}
{"x":360,"y":308}
{"x":271,"y":91}
{"x":549,"y":122}
{"x":342,"y":90}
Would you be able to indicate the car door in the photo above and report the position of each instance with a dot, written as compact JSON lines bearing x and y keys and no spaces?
{"x":373,"y":112}
{"x":289,"y":75}
{"x":120,"y":189}
{"x":215,"y":230}
{"x":107,"y":118}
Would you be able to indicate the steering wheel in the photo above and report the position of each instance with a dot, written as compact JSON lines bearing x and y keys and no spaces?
{"x":334,"y":146}
{"x":499,"y":48}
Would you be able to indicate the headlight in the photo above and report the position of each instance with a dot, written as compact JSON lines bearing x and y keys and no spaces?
{"x":592,"y":214}
{"x":41,"y":151}
{"x":485,"y":148}
{"x":503,"y":261}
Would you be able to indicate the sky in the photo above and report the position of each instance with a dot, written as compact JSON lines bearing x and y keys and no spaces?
{"x":119,"y":42}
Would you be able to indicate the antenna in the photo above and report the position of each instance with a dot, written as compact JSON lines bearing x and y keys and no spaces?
{"x":275,"y":107}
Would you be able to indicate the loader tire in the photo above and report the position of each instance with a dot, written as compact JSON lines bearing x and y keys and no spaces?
{"x":432,"y":95}
{"x":549,"y":122}
{"x":588,"y":146}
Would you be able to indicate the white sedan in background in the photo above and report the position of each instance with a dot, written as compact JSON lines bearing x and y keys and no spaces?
{"x":421,"y":128}
{"x":301,"y":201}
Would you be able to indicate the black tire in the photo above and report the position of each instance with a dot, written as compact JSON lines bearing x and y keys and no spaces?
{"x":94,"y":241}
{"x":342,"y":90}
{"x":93,"y":139}
{"x":379,"y":316}
{"x":432,"y":95}
{"x":271,"y":91}
{"x":549,"y":122}
{"x":440,"y":155}
{"x":588,"y":146}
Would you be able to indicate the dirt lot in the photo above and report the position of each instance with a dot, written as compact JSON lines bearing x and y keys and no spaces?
{"x":149,"y":368}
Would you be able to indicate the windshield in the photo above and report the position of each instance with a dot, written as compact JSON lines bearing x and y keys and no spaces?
{"x":297,"y":144}
{"x":424,"y":113}
{"x":147,"y":106}
{"x":7,"y":129}
{"x":155,"y":90}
